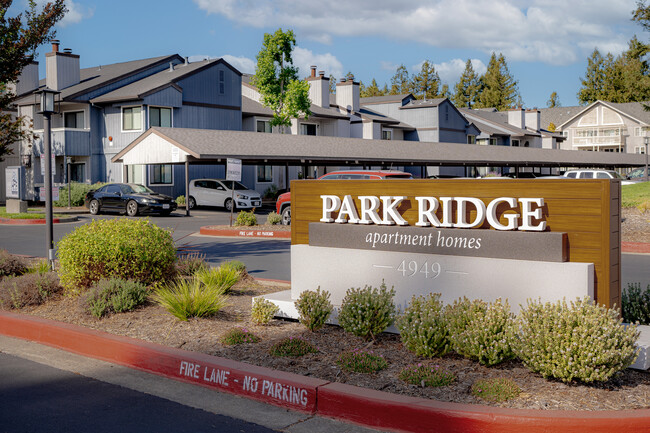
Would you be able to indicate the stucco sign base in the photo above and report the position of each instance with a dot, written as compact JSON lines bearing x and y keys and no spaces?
{"x":338,"y":269}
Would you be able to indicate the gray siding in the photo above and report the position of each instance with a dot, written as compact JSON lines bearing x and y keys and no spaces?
{"x":207,"y":118}
{"x":203,"y":87}
{"x":169,"y":97}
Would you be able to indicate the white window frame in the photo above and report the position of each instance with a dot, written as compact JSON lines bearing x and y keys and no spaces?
{"x":266,"y":121}
{"x":122,"y":118}
{"x":308,"y":123}
{"x":390,"y":133}
{"x":171,"y":109}
{"x":150,"y":175}
{"x":639,"y":150}
{"x":513,"y":141}
{"x":143,"y":173}
{"x":75,"y":111}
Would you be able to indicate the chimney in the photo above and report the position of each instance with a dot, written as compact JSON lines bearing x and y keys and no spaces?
{"x":61,"y":68}
{"x":533,"y":119}
{"x":319,"y":89}
{"x":516,"y":118}
{"x":347,"y":94}
{"x":171,"y":67}
{"x":27,"y":80}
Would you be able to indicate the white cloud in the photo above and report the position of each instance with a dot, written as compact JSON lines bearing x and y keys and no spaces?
{"x":389,"y":66}
{"x":327,"y":62}
{"x":242,"y":64}
{"x":550,"y":31}
{"x":451,"y":71}
{"x":75,"y":14}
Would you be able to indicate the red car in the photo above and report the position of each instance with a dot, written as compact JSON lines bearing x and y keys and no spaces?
{"x":283,"y":205}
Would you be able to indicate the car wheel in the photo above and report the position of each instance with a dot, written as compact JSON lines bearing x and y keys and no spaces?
{"x":191,"y":202}
{"x":228,"y":204}
{"x":286,"y":216}
{"x":132,"y":208}
{"x":93,"y":206}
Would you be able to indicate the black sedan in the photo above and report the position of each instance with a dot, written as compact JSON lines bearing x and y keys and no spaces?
{"x":129,"y":198}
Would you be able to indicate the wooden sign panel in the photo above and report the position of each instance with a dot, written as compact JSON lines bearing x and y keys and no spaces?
{"x":587,"y":210}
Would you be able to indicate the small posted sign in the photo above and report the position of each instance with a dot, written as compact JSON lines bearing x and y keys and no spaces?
{"x":233,"y":169}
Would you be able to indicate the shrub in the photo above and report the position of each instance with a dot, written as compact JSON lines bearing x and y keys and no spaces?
{"x":115,"y":295}
{"x":189,"y":264}
{"x":78,"y":193}
{"x":236,"y":265}
{"x":577,"y":341}
{"x":29,"y":289}
{"x":423,"y":328}
{"x":11,"y":264}
{"x":636,"y":304}
{"x":427,"y":375}
{"x":495,"y":390}
{"x":185,"y":299}
{"x":39,"y":267}
{"x":293,"y":347}
{"x":245,"y":218}
{"x":367,"y":312}
{"x":644,"y":206}
{"x":116,"y":248}
{"x":361,"y":361}
{"x":239,"y":336}
{"x":180,"y":200}
{"x":263,"y":311}
{"x":271,"y":192}
{"x":481,"y":331}
{"x":273,"y":218}
{"x":314,"y":308}
{"x":223,"y":277}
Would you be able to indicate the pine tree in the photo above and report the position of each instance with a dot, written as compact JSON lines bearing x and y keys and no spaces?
{"x":593,"y":83}
{"x":468,"y":88}
{"x":642,"y":14}
{"x":426,"y":84}
{"x":499,"y":86}
{"x":371,"y":90}
{"x":401,"y":82}
{"x":332,"y":84}
{"x":444,"y":91}
{"x":553,"y":101}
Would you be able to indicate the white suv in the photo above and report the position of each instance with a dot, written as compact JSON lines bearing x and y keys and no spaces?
{"x":218,"y":192}
{"x":595,"y":174}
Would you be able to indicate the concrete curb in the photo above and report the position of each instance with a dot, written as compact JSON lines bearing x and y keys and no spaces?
{"x":245,"y":233}
{"x":335,"y":400}
{"x":24,"y":222}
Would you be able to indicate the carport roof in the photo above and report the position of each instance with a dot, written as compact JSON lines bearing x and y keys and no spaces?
{"x":203,"y":145}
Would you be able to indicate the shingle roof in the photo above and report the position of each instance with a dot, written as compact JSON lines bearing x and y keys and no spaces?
{"x":208,"y":144}
{"x":252,"y":107}
{"x":495,"y":121}
{"x":417,"y":103}
{"x":557,"y":115}
{"x":384,"y":99}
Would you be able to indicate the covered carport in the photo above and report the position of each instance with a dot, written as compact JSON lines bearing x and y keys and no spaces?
{"x":200,"y":146}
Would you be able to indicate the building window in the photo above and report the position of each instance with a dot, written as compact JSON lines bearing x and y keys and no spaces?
{"x":515,"y":143}
{"x":471,"y":139}
{"x":493,"y":141}
{"x":307,"y":129}
{"x":135,"y":173}
{"x":263,"y":126}
{"x":159,"y":116}
{"x":639,"y":149}
{"x":482,"y":141}
{"x":641,"y":131}
{"x":74,"y":120}
{"x":565,"y":133}
{"x":264,"y":173}
{"x":78,"y":172}
{"x":161,"y":174}
{"x":222,"y":82}
{"x":132,"y":119}
{"x":386,"y":134}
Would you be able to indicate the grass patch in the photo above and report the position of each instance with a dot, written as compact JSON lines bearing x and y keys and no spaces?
{"x":31,"y":214}
{"x":635,"y":195}
{"x":185,"y":299}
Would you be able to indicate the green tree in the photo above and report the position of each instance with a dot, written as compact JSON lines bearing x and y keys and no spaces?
{"x":401,"y":82}
{"x":499,"y":86}
{"x":642,"y":14}
{"x":371,"y":90}
{"x":277,"y":79}
{"x":444,"y":91}
{"x":426,"y":84}
{"x":332,"y":84}
{"x":467,"y":90}
{"x":551,"y":127}
{"x":593,"y":83}
{"x":553,"y":101}
{"x":20,"y":36}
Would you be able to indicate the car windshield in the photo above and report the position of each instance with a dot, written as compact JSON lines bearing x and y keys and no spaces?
{"x":140,"y":189}
{"x":238,"y":186}
{"x":616,"y":175}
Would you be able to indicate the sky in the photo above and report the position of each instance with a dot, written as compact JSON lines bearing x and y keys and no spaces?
{"x":546,"y":43}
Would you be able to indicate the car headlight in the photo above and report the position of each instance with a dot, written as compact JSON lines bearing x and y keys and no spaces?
{"x":147,"y":201}
{"x":242,"y":196}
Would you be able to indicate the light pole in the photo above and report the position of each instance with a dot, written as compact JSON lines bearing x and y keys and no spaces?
{"x":645,"y":172}
{"x":68,"y":163}
{"x":47,"y":108}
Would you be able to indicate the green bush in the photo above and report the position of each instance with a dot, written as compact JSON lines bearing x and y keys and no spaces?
{"x":190,"y":298}
{"x":361,"y":361}
{"x":427,"y":375}
{"x":578,"y":341}
{"x":29,"y":289}
{"x":223,"y":277}
{"x":78,"y":192}
{"x":481,"y":331}
{"x":180,"y":200}
{"x":271,"y":192}
{"x":273,"y":218}
{"x":239,"y":336}
{"x":423,"y":327}
{"x":367,"y":312}
{"x":116,"y":248}
{"x":495,"y":390}
{"x":39,"y":267}
{"x":293,"y":347}
{"x":236,"y":265}
{"x":188,"y":264}
{"x":245,"y":218}
{"x":636,"y":304}
{"x":263,"y":311}
{"x":11,"y":264}
{"x":115,"y":295}
{"x":314,"y":308}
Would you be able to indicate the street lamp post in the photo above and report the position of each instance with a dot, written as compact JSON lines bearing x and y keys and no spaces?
{"x":645,"y":172}
{"x":47,"y":108}
{"x":68,"y":163}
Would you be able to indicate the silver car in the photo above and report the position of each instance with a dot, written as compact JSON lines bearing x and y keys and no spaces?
{"x":219,"y":192}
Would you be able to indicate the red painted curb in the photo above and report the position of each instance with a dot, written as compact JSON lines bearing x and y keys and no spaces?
{"x":245,"y":233}
{"x":22,"y":222}
{"x":283,"y":389}
{"x":635,"y":247}
{"x":335,"y":400}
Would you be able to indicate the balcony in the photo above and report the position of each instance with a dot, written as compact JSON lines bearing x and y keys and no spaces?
{"x":598,"y":139}
{"x":66,"y":141}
